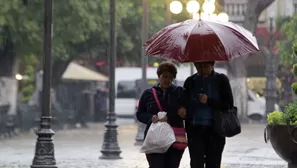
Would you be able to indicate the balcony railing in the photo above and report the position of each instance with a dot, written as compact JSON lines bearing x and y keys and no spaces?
{"x":235,"y":9}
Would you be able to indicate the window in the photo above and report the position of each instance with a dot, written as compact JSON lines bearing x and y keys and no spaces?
{"x":126,"y":89}
{"x":149,"y":83}
{"x":138,"y":85}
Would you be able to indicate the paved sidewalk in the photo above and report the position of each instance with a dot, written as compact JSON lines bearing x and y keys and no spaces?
{"x":81,"y":149}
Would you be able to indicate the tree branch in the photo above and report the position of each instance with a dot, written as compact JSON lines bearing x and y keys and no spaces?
{"x":262,"y":4}
{"x":253,"y":11}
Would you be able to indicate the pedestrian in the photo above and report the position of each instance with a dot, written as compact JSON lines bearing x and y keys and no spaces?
{"x":206,"y":92}
{"x":170,"y":97}
{"x":100,"y":105}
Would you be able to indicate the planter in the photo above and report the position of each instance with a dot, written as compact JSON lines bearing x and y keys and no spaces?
{"x":283,"y":139}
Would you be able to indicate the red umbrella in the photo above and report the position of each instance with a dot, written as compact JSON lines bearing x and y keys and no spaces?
{"x":197,"y":40}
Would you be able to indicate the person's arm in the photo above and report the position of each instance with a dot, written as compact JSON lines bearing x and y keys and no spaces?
{"x":186,"y":92}
{"x":225,"y":93}
{"x":142,"y":114}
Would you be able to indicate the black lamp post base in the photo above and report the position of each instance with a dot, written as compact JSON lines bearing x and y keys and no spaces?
{"x":111,"y":155}
{"x":44,"y":150}
{"x":110,"y":148}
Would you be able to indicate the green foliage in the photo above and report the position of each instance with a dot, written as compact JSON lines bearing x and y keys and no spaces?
{"x":131,"y":25}
{"x":290,"y":114}
{"x":276,"y":118}
{"x":294,"y":69}
{"x":281,"y":20}
{"x":289,"y":30}
{"x":28,"y":84}
{"x":294,"y":49}
{"x":72,"y":23}
{"x":288,"y":117}
{"x":81,"y":28}
{"x":294,"y":87}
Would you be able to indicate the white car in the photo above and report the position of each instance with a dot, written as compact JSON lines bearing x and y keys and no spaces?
{"x":257,"y":106}
{"x":126,"y":89}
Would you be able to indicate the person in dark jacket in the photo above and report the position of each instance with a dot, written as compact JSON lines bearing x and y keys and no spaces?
{"x":170,"y":99}
{"x":205,"y":92}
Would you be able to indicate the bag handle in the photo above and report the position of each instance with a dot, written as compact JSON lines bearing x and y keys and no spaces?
{"x":157,"y":100}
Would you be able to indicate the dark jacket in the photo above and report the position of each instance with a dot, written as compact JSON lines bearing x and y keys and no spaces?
{"x":225,"y":100}
{"x":169,"y":100}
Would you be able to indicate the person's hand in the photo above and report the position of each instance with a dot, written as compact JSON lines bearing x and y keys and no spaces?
{"x":203,"y":98}
{"x":164,"y":119}
{"x":182,"y":112}
{"x":155,"y":119}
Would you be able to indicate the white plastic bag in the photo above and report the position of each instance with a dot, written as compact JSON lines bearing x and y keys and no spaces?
{"x":159,"y":138}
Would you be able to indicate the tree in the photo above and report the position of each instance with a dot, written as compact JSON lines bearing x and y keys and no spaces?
{"x":74,"y":24}
{"x":287,"y":51}
{"x":21,"y":26}
{"x":287,"y":46}
{"x":253,"y":11}
{"x":129,"y":27}
{"x":128,"y":30}
{"x":20,"y":33}
{"x":80,"y":28}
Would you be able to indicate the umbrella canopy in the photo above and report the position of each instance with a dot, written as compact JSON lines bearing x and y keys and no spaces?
{"x":198,"y":40}
{"x":75,"y":71}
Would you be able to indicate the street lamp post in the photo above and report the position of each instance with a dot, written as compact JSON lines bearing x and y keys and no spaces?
{"x":44,"y":149}
{"x":193,"y":7}
{"x":110,"y":148}
{"x":271,"y":68}
{"x":144,"y":36}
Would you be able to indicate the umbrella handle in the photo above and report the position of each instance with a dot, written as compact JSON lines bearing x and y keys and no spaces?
{"x":266,"y":138}
{"x":294,"y":135}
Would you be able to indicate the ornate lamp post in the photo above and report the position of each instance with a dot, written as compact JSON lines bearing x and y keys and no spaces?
{"x":110,"y":148}
{"x":193,"y":7}
{"x":44,"y":149}
{"x":271,"y":70}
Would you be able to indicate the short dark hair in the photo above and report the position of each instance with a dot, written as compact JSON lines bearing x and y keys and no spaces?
{"x":167,"y":67}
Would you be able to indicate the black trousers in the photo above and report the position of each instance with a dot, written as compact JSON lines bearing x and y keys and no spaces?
{"x":205,"y":146}
{"x":170,"y":159}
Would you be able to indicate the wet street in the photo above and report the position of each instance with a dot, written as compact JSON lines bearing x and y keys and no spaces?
{"x":80,"y":148}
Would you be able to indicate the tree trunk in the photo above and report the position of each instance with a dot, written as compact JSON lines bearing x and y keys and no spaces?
{"x":237,"y":66}
{"x":8,"y":69}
